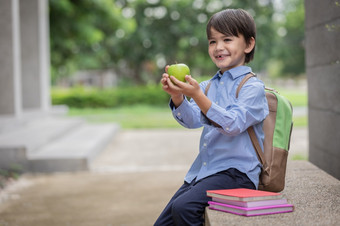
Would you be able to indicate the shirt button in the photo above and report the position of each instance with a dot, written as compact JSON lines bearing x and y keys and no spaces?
{"x":221,"y":83}
{"x":205,"y":144}
{"x":204,"y":163}
{"x":178,"y":114}
{"x":227,"y":128}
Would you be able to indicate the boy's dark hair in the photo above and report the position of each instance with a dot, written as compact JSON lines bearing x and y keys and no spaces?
{"x":233,"y":22}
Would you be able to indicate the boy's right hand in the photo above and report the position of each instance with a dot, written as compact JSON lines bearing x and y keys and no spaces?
{"x":170,"y":88}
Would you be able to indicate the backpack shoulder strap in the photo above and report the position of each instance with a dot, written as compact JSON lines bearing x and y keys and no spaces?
{"x":207,"y":88}
{"x":244,"y":80}
{"x":257,"y":147}
{"x":251,"y":131}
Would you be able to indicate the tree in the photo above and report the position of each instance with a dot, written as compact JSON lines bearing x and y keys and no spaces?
{"x":81,"y":32}
{"x":137,"y":38}
{"x":289,"y":55}
{"x":171,"y":31}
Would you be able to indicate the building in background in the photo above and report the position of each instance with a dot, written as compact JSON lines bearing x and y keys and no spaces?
{"x":33,"y":135}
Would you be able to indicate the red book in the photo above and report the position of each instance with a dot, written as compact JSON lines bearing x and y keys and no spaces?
{"x":243,"y":194}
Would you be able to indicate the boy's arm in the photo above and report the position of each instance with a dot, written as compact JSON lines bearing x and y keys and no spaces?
{"x":186,"y":114}
{"x":191,"y":89}
{"x":250,"y":108}
{"x":202,"y":101}
{"x":177,"y":100}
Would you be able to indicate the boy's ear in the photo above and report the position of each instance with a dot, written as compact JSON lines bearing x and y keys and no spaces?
{"x":250,"y":45}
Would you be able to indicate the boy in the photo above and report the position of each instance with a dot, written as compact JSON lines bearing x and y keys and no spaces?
{"x":226,"y":158}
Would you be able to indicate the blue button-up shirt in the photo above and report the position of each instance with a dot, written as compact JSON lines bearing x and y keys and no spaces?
{"x":227,"y":146}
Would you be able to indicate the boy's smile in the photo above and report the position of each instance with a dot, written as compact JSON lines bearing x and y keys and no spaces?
{"x":228,"y":51}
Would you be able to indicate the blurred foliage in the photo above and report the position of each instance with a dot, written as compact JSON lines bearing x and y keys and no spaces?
{"x":81,"y":97}
{"x":137,"y":38}
{"x":10,"y":174}
{"x":290,"y":57}
{"x":82,"y":34}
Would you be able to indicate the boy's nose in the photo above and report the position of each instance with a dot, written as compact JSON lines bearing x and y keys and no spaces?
{"x":219,"y":45}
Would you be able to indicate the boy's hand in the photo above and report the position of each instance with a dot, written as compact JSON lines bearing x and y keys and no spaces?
{"x":190,"y":89}
{"x":168,"y":86}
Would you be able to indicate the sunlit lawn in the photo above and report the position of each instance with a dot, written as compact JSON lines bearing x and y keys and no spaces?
{"x":296,"y":97}
{"x":144,"y":116}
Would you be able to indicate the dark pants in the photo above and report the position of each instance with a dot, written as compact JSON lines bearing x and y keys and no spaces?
{"x":187,"y":206}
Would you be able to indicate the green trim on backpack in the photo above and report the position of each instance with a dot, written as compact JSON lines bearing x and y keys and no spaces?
{"x":283,"y":124}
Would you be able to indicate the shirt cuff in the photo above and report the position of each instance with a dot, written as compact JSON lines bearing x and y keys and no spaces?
{"x":177,"y":112}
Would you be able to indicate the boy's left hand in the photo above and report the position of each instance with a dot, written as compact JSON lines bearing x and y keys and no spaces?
{"x":190,"y":89}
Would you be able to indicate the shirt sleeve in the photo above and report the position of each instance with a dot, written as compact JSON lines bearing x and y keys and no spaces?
{"x":249,"y":108}
{"x":186,"y":114}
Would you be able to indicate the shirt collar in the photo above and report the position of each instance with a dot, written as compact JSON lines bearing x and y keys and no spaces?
{"x":234,"y":72}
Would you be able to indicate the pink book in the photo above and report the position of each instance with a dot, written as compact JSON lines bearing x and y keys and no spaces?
{"x":251,"y":211}
{"x":269,"y":202}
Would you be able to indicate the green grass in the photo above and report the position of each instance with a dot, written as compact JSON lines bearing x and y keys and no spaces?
{"x":146,"y":116}
{"x":296,"y":97}
{"x":140,"y":116}
{"x":300,"y":121}
{"x":299,"y":157}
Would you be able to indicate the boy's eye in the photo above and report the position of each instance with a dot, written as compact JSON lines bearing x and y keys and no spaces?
{"x":227,"y":39}
{"x":211,"y":42}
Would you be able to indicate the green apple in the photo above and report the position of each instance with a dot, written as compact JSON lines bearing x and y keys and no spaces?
{"x":179,"y":71}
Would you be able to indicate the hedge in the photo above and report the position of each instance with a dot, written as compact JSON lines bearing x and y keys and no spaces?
{"x":80,"y":97}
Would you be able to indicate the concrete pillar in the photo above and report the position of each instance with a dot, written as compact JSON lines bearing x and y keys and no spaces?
{"x":35,"y":54}
{"x":10,"y":65}
{"x":323,"y":74}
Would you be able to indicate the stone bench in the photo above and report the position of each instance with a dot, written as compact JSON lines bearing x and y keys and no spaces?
{"x":314,"y":193}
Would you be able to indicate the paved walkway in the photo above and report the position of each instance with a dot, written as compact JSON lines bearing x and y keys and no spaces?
{"x":129,"y":183}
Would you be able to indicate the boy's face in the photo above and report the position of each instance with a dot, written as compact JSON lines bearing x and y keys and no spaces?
{"x":228,"y":51}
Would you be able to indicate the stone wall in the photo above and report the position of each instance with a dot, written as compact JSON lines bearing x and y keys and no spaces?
{"x":322,"y":32}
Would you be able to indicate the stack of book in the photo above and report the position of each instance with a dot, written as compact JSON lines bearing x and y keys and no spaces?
{"x":248,"y":202}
